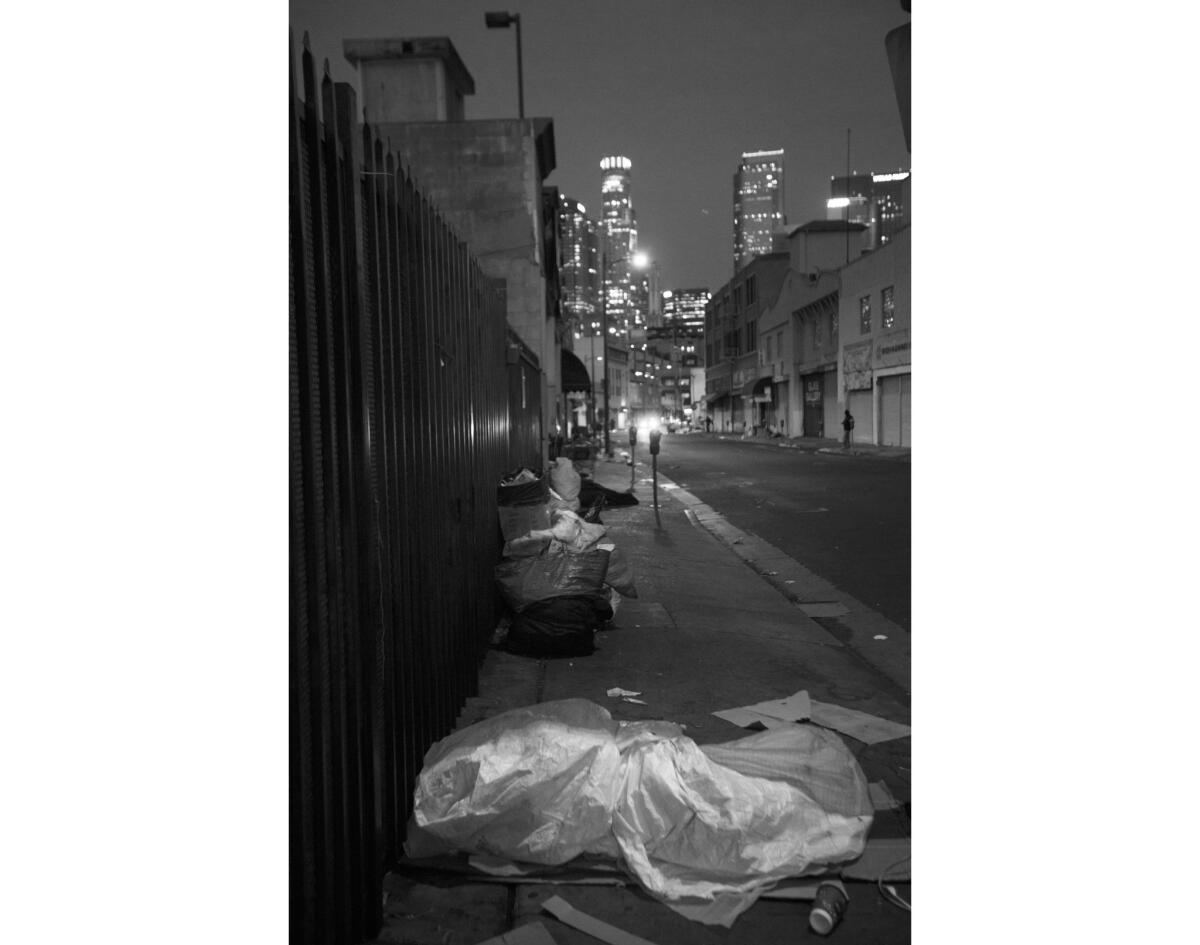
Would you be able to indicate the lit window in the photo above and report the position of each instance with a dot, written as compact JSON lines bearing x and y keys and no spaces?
{"x":889,"y":306}
{"x":864,"y":315}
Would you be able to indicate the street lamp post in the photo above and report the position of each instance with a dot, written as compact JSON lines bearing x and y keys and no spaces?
{"x":501,"y":20}
{"x":639,"y":260}
{"x":604,"y":349}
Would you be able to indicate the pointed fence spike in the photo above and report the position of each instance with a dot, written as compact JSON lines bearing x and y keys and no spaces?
{"x":306,"y":43}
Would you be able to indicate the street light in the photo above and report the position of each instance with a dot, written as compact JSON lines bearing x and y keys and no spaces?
{"x":639,"y":261}
{"x":500,"y":21}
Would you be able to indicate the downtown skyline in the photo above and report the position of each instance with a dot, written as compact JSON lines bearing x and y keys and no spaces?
{"x":681,"y":89}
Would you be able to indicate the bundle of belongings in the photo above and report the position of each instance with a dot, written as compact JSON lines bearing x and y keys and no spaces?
{"x":704,"y":828}
{"x":559,"y":574}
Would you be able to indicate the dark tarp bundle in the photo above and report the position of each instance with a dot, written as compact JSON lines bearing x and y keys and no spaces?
{"x":524,"y":581}
{"x":558,"y":600}
{"x":522,"y":487}
{"x":594,"y":495}
{"x":560,"y":626}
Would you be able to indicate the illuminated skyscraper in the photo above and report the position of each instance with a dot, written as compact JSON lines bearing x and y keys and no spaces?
{"x":757,"y":205}
{"x":579,"y":268}
{"x":880,"y":201}
{"x":684,"y":308}
{"x":619,"y":235}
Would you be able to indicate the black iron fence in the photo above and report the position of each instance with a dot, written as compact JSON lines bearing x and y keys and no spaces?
{"x":402,"y":421}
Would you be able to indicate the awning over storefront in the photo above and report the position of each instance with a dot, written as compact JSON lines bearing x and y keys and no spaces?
{"x":574,"y":374}
{"x":713,"y":398}
{"x":755,"y":387}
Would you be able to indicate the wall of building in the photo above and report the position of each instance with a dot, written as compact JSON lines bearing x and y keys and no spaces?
{"x":411,"y":90}
{"x":484,"y":178}
{"x":729,"y":314}
{"x":823,"y":250}
{"x":866,"y":357}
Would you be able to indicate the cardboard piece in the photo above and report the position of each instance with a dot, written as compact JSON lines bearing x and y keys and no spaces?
{"x":861,"y":725}
{"x":773,"y":712}
{"x":532,"y":933}
{"x":569,"y":915}
{"x":618,"y":691}
{"x":744,"y":718}
{"x":800,"y":708}
{"x":795,"y":708}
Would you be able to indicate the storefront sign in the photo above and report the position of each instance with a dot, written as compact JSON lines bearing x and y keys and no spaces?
{"x":893,"y":349}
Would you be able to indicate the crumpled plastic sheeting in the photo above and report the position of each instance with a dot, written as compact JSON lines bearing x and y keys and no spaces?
{"x":721,"y":823}
{"x":536,"y":784}
{"x":788,"y":802}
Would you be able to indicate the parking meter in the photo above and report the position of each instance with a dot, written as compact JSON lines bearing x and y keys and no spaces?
{"x":655,"y":440}
{"x":633,"y":436}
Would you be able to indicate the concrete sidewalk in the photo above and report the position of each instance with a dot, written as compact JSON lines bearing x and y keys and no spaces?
{"x":720,"y":621}
{"x":815,"y":445}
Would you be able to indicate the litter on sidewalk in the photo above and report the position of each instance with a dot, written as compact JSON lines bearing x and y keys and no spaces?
{"x":559,"y":575}
{"x":569,"y":915}
{"x":863,"y":726}
{"x":712,"y":824}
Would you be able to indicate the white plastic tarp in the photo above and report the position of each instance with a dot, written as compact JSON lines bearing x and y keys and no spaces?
{"x":718,"y":823}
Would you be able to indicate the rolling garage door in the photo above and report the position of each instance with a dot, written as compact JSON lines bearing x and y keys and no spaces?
{"x":833,"y":415}
{"x":895,"y":410}
{"x":860,"y":403}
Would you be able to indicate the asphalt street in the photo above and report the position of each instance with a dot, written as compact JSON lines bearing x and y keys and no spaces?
{"x":845,"y":517}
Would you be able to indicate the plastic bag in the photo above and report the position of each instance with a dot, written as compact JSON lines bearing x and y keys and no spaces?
{"x":535,"y":784}
{"x":523,"y":581}
{"x":565,"y":481}
{"x":562,"y":626}
{"x":522,"y":487}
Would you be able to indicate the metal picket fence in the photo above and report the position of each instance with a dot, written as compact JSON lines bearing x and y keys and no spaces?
{"x":401,"y":377}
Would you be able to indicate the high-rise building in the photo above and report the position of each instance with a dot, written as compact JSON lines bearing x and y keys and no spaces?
{"x":619,"y":236}
{"x":879,"y":201}
{"x":685,"y":308}
{"x":579,"y":269}
{"x":757,"y":205}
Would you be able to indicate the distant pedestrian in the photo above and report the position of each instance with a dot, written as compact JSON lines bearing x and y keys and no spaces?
{"x":708,"y":424}
{"x":847,"y":427}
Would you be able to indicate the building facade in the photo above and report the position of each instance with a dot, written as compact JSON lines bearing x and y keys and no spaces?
{"x":734,"y":392}
{"x":619,"y":238}
{"x":412,"y":96}
{"x":758,"y":208}
{"x":795,"y":388}
{"x":685,"y":308}
{"x":875,"y":343}
{"x":579,"y":266}
{"x":579,"y":274}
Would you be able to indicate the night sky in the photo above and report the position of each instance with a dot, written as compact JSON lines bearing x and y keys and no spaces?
{"x":680,"y":87}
